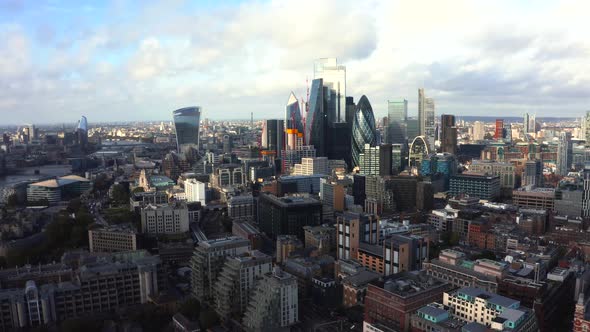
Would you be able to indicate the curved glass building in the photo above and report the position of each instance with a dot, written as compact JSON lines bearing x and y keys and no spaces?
{"x":363,"y":129}
{"x":418,"y":150}
{"x":314,"y":122}
{"x":186,"y":123}
{"x":293,"y":114}
{"x":82,"y":131}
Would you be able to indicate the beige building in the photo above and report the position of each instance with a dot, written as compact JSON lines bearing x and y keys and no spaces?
{"x":165,"y":219}
{"x":112,"y":239}
{"x":312,"y":166}
{"x":504,"y":170}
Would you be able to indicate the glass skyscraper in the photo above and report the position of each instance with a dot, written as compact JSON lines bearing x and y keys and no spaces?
{"x":334,"y":78}
{"x":186,"y":123}
{"x":397,"y":113}
{"x":363,"y":129}
{"x":426,"y":117}
{"x":314,"y":122}
{"x":293,"y":114}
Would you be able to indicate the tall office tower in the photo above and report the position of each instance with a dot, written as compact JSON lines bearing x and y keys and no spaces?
{"x":81,"y":131}
{"x":499,"y":132}
{"x":448,"y":134}
{"x":479,"y":131}
{"x":564,"y":153}
{"x":208,"y":260}
{"x":315,"y":119}
{"x":273,"y":136}
{"x":186,"y":124}
{"x":533,"y":173}
{"x":397,"y":113}
{"x":426,"y":118}
{"x":293,"y":114}
{"x":352,"y":229}
{"x":237,"y":279}
{"x":529,"y":123}
{"x":334,"y":79}
{"x":376,"y":160}
{"x":350,"y":110}
{"x":274,"y":303}
{"x":508,"y":133}
{"x":363,"y":129}
{"x":332,"y":195}
{"x":586,"y":194}
{"x":586,"y":127}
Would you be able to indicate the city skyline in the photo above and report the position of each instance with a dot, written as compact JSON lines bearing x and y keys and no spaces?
{"x":529,"y":58}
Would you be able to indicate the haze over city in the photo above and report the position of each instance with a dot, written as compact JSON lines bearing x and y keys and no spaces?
{"x":130,"y":60}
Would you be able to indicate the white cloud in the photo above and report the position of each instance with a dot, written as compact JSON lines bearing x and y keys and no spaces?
{"x":500,"y":56}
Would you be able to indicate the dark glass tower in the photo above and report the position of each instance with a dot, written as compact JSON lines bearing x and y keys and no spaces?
{"x":448,"y":134}
{"x":363,"y":129}
{"x":82,"y":131}
{"x":273,"y":135}
{"x":186,"y":123}
{"x":315,"y":121}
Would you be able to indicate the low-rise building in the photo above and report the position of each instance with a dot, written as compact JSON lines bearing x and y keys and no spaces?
{"x":473,"y":184}
{"x":113,"y":238}
{"x":165,"y":219}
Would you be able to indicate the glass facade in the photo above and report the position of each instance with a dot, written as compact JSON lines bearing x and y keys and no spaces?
{"x":186,"y":123}
{"x":314,"y":123}
{"x":397,"y":113}
{"x":293,"y":114}
{"x":363,"y":129}
{"x":426,"y":117}
{"x":334,"y":78}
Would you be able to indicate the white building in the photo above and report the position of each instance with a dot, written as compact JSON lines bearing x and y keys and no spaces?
{"x":195,"y":191}
{"x":165,"y":219}
{"x":479,"y":131}
{"x":311,"y":166}
{"x":274,"y":303}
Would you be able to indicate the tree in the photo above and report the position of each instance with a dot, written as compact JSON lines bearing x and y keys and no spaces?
{"x":12,"y":201}
{"x":74,"y":205}
{"x":119,"y":194}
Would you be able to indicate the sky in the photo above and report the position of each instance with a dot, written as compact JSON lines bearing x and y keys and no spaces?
{"x":139,"y":60}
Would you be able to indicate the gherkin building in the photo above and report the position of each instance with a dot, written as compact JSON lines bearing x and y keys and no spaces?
{"x":363,"y":129}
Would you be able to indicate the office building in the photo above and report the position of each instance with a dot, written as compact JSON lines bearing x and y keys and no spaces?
{"x":391,"y":300}
{"x":52,"y":191}
{"x":363,"y":129}
{"x":505,"y":170}
{"x":312,"y":166}
{"x":397,"y":253}
{"x":489,"y":310}
{"x":273,"y":134}
{"x":333,"y":76}
{"x":568,"y":202}
{"x":586,"y":196}
{"x":113,"y":238}
{"x":186,"y":124}
{"x":533,"y":173}
{"x":448,"y":134}
{"x":398,"y":158}
{"x":208,"y":260}
{"x":237,"y":279}
{"x":453,"y":267}
{"x":443,"y":164}
{"x":293,"y":114}
{"x":165,"y":219}
{"x":307,"y":184}
{"x":426,"y":118}
{"x":479,"y":131}
{"x":332,"y":196}
{"x":315,"y":122}
{"x":195,"y":191}
{"x":534,"y":198}
{"x":125,"y":279}
{"x":564,"y":154}
{"x":412,"y":128}
{"x":274,"y":303}
{"x":287,"y":215}
{"x":473,"y":184}
{"x":499,"y":131}
{"x":352,"y":229}
{"x":376,"y":160}
{"x":397,"y":113}
{"x":241,"y":208}
{"x":286,"y":244}
{"x":81,"y":132}
{"x":529,"y":123}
